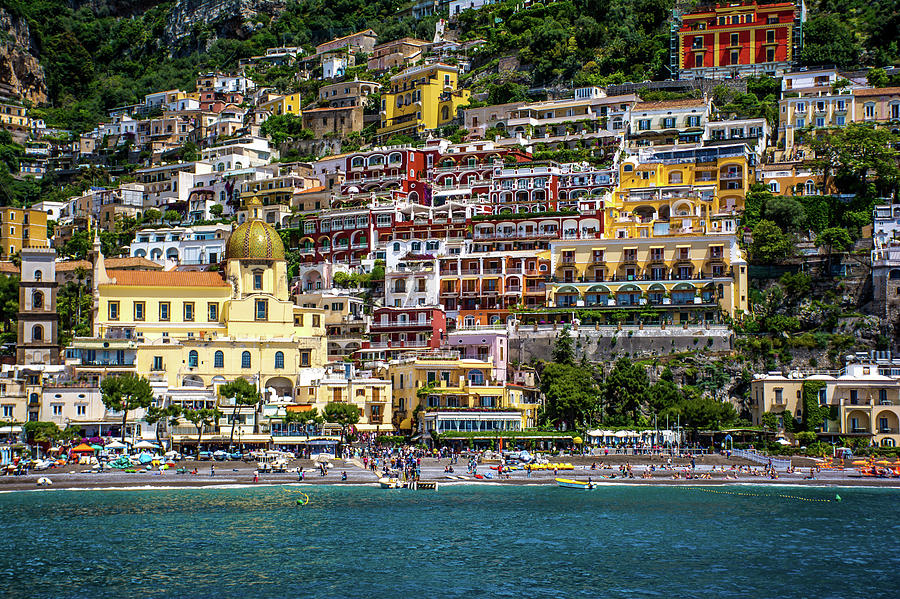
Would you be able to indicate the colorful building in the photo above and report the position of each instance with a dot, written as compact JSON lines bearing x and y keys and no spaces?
{"x":739,"y":38}
{"x":421,"y":99}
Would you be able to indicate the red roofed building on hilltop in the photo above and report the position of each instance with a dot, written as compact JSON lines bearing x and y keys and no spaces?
{"x":738,"y":38}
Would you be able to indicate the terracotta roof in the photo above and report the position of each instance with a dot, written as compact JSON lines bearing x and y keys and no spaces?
{"x":878,"y":91}
{"x":331,"y":108}
{"x":8,"y":268}
{"x":70,"y":265}
{"x":113,"y":263}
{"x":670,"y":104}
{"x":316,"y":189}
{"x":172,"y":278}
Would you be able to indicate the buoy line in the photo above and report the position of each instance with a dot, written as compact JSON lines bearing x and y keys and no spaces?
{"x":837,"y":498}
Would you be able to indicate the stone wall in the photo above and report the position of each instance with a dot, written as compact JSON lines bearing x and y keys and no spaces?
{"x":609,"y":342}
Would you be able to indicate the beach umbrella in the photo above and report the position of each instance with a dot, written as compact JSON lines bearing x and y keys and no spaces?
{"x":577,"y":441}
{"x":883,"y":463}
{"x":116,"y":445}
{"x":97,"y":447}
{"x":859,"y":462}
{"x":144,"y":445}
{"x":83,"y":448}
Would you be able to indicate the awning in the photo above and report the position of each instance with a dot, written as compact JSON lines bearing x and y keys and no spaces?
{"x":681,"y":247}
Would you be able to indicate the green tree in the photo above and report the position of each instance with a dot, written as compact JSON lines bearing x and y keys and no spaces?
{"x":125,"y":392}
{"x":835,"y":241}
{"x":152,"y":215}
{"x":242,"y":393}
{"x":625,"y":389}
{"x":564,"y":350}
{"x":41,"y":432}
{"x":202,"y":418}
{"x":79,"y":246}
{"x":769,"y":421}
{"x":858,"y":159}
{"x":344,"y":414}
{"x":828,"y":39}
{"x":770,"y":243}
{"x":571,"y":392}
{"x":306,"y":418}
{"x":156,"y":414}
{"x":216,"y":210}
{"x":172,"y":216}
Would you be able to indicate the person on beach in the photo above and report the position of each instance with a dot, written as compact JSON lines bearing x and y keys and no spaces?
{"x":212,"y":469}
{"x":343,"y":475}
{"x":256,"y":476}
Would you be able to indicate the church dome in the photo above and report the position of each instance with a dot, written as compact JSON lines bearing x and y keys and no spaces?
{"x":254,"y":239}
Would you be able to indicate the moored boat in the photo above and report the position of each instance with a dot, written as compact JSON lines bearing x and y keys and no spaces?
{"x":574,"y":484}
{"x":389,"y":483}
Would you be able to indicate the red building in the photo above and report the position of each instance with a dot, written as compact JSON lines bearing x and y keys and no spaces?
{"x":395,"y":331}
{"x":739,"y":38}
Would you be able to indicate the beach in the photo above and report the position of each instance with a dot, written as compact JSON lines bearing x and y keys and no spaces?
{"x":228,"y":473}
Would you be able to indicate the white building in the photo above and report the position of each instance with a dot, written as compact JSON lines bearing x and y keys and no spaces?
{"x":202,"y":244}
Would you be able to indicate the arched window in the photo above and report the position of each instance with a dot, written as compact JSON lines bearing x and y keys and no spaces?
{"x":245,"y":360}
{"x":193,"y":359}
{"x":476,"y":377}
{"x":279,"y":359}
{"x":219,"y":360}
{"x":37,"y":333}
{"x":675,"y":177}
{"x":810,"y":188}
{"x":37,"y":300}
{"x":445,"y":113}
{"x":38,"y":275}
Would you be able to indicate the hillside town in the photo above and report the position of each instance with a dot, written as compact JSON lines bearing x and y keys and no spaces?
{"x":399,"y":258}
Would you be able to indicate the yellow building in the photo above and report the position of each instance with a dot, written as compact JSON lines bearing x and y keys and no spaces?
{"x":421,"y":99}
{"x":680,"y":192}
{"x":21,"y":227}
{"x":204,"y":328}
{"x":864,"y":401}
{"x":446,"y":393}
{"x":282,"y":105}
{"x":15,"y":119}
{"x":679,"y":279}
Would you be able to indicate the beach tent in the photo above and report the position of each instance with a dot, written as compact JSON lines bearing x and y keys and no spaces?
{"x":116,"y":445}
{"x":145,"y":445}
{"x":83,"y":448}
{"x":97,"y":447}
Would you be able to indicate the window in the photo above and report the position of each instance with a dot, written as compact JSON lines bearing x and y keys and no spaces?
{"x":779,"y":395}
{"x":188,"y":311}
{"x":770,"y":36}
{"x":279,"y":359}
{"x":219,"y":359}
{"x":257,"y":281}
{"x":735,"y":39}
{"x":38,"y":275}
{"x":245,"y":359}
{"x":37,"y":300}
{"x":157,"y":363}
{"x":304,"y":357}
{"x":261,"y":310}
{"x":164,"y":310}
{"x":735,"y":56}
{"x":316,"y":321}
{"x":869,"y":111}
{"x":212,"y":310}
{"x":7,"y":411}
{"x":139,"y":310}
{"x":193,"y":359}
{"x":57,"y":409}
{"x":644,"y":125}
{"x":37,"y":333}
{"x":801,"y":123}
{"x":669,"y":122}
{"x":114,"y":310}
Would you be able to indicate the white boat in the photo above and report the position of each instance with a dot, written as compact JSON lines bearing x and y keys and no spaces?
{"x":389,"y":483}
{"x":574,"y":484}
{"x":272,"y":461}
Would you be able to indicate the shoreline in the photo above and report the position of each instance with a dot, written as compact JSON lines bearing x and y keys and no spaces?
{"x":241,"y":475}
{"x":24,"y":486}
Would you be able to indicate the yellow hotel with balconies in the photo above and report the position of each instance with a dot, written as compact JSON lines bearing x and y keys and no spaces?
{"x":421,"y":99}
{"x":674,"y":279}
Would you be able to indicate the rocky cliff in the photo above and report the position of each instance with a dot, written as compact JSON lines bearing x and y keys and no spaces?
{"x":20,"y":73}
{"x":219,"y":18}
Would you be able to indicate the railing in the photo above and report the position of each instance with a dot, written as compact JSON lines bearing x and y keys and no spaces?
{"x":758,"y":458}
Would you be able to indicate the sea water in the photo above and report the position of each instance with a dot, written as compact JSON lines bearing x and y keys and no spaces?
{"x":460,"y":541}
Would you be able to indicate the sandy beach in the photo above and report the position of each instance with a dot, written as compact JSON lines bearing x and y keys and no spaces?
{"x":241,"y":473}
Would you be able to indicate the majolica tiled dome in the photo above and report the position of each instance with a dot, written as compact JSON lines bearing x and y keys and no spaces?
{"x":254,"y":239}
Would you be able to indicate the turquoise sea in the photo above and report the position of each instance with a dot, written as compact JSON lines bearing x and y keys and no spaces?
{"x":461,"y":541}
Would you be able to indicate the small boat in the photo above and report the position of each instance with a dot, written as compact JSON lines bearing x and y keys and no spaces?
{"x":574,"y":484}
{"x":389,"y":483}
{"x":219,"y":455}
